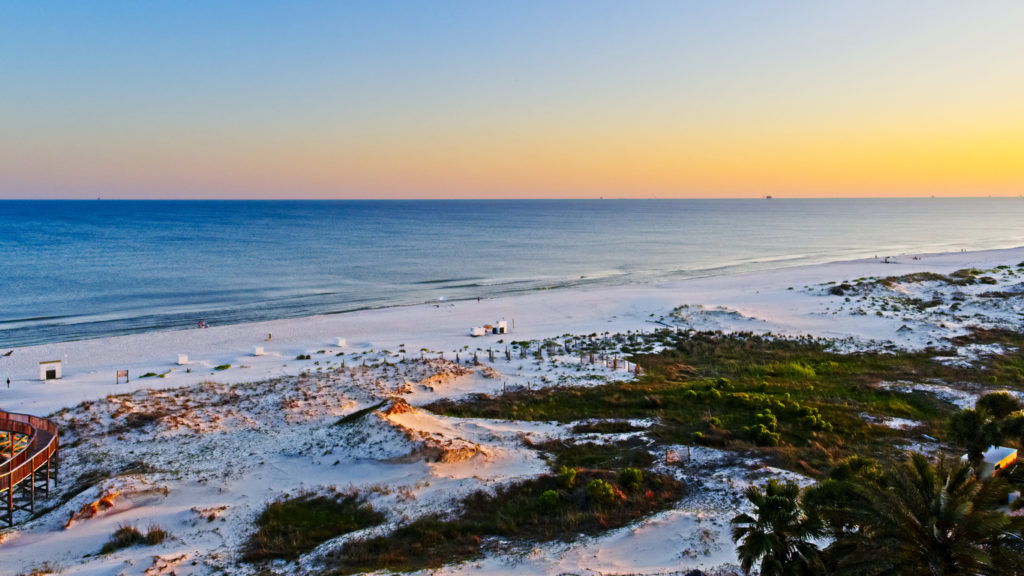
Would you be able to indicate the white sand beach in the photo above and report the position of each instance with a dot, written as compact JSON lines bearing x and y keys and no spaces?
{"x":212,"y":465}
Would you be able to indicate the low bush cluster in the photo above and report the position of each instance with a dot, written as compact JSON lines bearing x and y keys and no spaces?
{"x":292,"y":526}
{"x":127,"y":536}
{"x":550,"y":507}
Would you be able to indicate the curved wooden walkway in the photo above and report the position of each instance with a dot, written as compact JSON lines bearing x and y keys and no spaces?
{"x":30,"y":445}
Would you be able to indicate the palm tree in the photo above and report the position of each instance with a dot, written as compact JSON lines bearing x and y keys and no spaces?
{"x":778,"y":533}
{"x":930,"y":520}
{"x":832,"y":497}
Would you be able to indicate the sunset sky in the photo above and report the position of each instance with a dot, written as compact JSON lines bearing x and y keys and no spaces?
{"x":496,"y":99}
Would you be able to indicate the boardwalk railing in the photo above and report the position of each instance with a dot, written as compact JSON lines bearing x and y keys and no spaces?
{"x":23,"y":471}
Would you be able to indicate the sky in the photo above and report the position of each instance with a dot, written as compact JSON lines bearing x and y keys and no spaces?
{"x":498,"y":99}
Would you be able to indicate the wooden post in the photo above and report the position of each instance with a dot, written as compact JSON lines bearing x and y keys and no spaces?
{"x":10,"y":493}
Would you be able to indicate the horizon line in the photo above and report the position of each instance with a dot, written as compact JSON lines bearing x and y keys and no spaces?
{"x":508,"y":198}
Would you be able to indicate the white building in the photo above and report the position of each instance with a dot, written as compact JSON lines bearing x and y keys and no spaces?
{"x":50,"y":370}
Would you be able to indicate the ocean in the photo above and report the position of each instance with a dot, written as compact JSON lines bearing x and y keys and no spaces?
{"x":72,"y":270}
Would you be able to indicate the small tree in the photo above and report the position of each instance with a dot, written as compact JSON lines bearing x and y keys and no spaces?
{"x":975,"y":430}
{"x":998,"y":404}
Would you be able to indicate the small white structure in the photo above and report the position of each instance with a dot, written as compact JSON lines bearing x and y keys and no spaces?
{"x":477,"y":331}
{"x":501,"y":328}
{"x":340,"y":342}
{"x":257,"y":350}
{"x":994,"y":459}
{"x":182,"y":359}
{"x":50,"y":370}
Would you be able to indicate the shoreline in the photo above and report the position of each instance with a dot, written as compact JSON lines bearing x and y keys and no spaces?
{"x":257,"y":262}
{"x":89,"y":365}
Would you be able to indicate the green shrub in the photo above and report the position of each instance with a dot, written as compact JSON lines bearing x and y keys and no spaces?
{"x":600,"y":491}
{"x":631,"y":479}
{"x":768,"y":420}
{"x":566,"y":478}
{"x":223,"y":367}
{"x":294,"y":526}
{"x":549,"y":499}
{"x":762,"y":436}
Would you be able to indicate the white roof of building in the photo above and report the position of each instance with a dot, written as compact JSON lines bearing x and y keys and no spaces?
{"x":997,"y":454}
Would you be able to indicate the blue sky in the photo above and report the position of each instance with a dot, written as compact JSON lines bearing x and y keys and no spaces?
{"x":492,"y":99}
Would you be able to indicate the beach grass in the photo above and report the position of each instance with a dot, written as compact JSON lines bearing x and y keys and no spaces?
{"x":541,"y":509}
{"x":127,"y":535}
{"x":800,"y":404}
{"x":290,"y":527}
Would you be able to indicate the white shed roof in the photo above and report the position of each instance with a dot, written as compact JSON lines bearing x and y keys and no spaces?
{"x":996,"y":454}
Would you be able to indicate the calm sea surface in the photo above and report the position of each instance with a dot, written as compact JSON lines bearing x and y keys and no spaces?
{"x":82,"y":269}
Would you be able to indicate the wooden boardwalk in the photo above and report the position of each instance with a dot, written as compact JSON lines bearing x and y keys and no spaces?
{"x":28,"y":449}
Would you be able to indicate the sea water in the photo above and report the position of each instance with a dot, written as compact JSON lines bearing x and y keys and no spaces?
{"x":83,"y":269}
